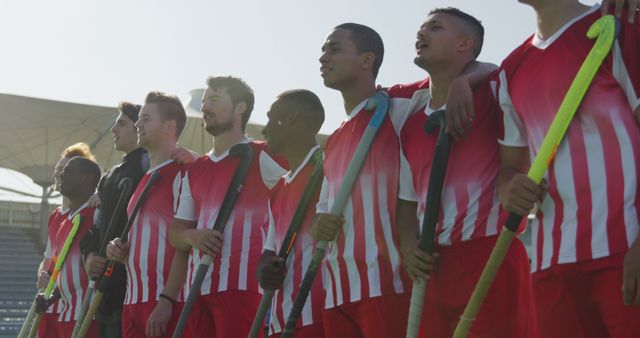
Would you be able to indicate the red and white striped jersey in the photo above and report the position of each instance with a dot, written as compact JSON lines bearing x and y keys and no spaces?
{"x":203,"y":190}
{"x":151,"y":254}
{"x":591,"y":210}
{"x":470,"y":208}
{"x":56,"y":218}
{"x":72,"y":280}
{"x":283,"y":206}
{"x":364,"y":261}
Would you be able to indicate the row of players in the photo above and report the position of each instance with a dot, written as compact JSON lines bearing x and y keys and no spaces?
{"x":585,"y":244}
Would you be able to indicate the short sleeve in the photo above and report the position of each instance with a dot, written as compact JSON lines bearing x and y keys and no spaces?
{"x":270,"y":170}
{"x":513,"y":133}
{"x":406,"y":190}
{"x":322,"y":207}
{"x":48,"y":251}
{"x":626,"y":68}
{"x":270,"y":243}
{"x":185,"y":208}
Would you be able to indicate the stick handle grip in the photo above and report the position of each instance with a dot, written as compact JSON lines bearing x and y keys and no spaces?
{"x":26,"y":326}
{"x":91,"y":312}
{"x":415,"y":308}
{"x":258,"y":321}
{"x":194,"y":292}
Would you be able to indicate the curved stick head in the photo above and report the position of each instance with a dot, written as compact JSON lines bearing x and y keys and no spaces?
{"x":125,"y":184}
{"x":240,"y":149}
{"x":435,"y":120}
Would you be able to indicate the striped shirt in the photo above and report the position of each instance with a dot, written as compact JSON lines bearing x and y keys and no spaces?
{"x":591,"y":209}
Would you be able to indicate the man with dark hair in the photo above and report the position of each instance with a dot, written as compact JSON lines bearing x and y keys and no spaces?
{"x":134,"y":165}
{"x":78,"y":182}
{"x":586,"y":248}
{"x":230,"y":292}
{"x":55,"y":219}
{"x":471,"y":217}
{"x":294,"y":121}
{"x":155,"y":271}
{"x":239,"y":92}
{"x":366,"y":289}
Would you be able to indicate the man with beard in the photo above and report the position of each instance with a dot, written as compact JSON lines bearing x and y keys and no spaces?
{"x":134,"y":165}
{"x":229,"y":295}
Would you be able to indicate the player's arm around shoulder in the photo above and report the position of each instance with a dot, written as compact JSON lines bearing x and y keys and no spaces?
{"x":460,"y":113}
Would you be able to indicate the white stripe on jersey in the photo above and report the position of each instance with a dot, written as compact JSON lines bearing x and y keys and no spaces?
{"x":492,"y":219}
{"x":547,"y":249}
{"x":474,"y":192}
{"x":630,"y":180}
{"x":225,"y":254}
{"x":349,"y":254}
{"x":385,"y":219}
{"x":563,"y":166}
{"x":450,"y":209}
{"x":75,"y":272}
{"x":598,"y":185}
{"x":621,"y":75}
{"x":132,"y":264}
{"x":246,"y":245}
{"x":307,"y":313}
{"x":144,"y":261}
{"x":162,"y":235}
{"x":371,"y":249}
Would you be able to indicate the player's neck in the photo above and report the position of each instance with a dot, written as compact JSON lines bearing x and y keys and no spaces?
{"x":296,"y":154}
{"x":439,"y":82}
{"x":65,"y":203}
{"x":551,"y":16}
{"x":161,"y":153}
{"x":76,"y":202}
{"x":355,"y":94}
{"x":226,"y":140}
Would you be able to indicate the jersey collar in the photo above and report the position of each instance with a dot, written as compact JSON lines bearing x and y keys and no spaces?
{"x":216,"y":159}
{"x":543,"y":44}
{"x":292,"y":174}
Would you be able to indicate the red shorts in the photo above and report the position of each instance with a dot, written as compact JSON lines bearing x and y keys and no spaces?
{"x":310,"y":331}
{"x":507,"y":311}
{"x":50,"y":327}
{"x":384,"y":317}
{"x":584,"y":300}
{"x":135,"y":316}
{"x":226,"y":314}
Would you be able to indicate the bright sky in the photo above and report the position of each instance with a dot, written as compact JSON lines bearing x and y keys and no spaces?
{"x":103,"y":52}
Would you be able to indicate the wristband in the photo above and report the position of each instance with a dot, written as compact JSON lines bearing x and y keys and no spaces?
{"x":165,"y":297}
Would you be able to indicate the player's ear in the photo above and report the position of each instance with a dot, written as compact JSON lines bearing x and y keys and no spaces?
{"x":466,"y":44}
{"x":368,"y":59}
{"x":240,"y":107}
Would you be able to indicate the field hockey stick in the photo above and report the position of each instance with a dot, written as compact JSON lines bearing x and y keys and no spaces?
{"x":432,"y":210}
{"x":604,"y":31}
